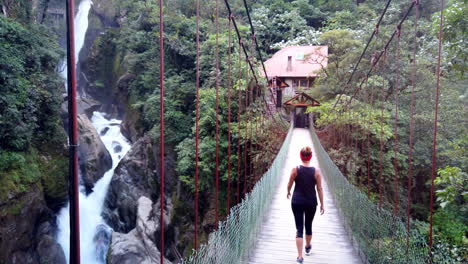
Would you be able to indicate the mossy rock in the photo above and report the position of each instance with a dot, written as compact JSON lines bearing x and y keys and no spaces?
{"x":47,"y":171}
{"x":17,"y":178}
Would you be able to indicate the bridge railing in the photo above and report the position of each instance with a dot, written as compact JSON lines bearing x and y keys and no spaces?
{"x":379,"y":236}
{"x":236,"y":235}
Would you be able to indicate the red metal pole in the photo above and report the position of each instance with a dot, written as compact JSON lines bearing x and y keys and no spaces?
{"x":197,"y":115}
{"x":395,"y":158}
{"x":161,"y":130}
{"x":382,"y":118}
{"x":239,"y":128}
{"x":217,"y":116}
{"x":371,"y":103}
{"x":229,"y":119}
{"x":73,"y":191}
{"x":410,"y":153}
{"x":246,"y":125}
{"x":434,"y":145}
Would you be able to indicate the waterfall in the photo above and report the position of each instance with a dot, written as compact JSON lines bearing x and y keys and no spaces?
{"x":81,"y":26}
{"x":95,"y":234}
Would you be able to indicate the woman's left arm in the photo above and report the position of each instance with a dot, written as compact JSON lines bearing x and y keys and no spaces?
{"x":318,"y":178}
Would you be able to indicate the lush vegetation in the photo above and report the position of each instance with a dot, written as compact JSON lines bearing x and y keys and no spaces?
{"x":30,"y":98}
{"x":31,"y":94}
{"x":370,"y":115}
{"x":135,"y":49}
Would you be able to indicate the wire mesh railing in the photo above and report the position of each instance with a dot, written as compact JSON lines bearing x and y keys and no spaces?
{"x":236,"y":235}
{"x":379,"y":235}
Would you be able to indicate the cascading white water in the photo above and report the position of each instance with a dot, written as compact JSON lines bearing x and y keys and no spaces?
{"x":94,"y":237}
{"x":81,"y":26}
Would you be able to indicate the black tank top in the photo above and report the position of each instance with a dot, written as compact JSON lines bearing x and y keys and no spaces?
{"x":304,"y":189}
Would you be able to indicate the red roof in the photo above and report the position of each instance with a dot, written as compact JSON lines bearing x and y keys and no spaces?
{"x":306,"y":61}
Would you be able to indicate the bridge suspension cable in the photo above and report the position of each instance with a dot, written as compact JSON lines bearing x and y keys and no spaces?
{"x":228,"y":205}
{"x":374,"y":33}
{"x":73,"y":177}
{"x":242,"y":44}
{"x":395,"y":149}
{"x":436,"y":110}
{"x":377,"y":59}
{"x":197,"y":117}
{"x":161,"y":127}
{"x":411,"y":134}
{"x":217,"y":115}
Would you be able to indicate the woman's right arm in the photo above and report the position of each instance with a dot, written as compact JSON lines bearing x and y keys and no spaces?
{"x":291,"y":181}
{"x":318,"y":178}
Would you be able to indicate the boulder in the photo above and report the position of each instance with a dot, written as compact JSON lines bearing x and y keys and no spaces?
{"x":21,"y":241}
{"x":138,"y":246}
{"x":94,"y":159}
{"x":135,"y":176}
{"x":48,"y":249}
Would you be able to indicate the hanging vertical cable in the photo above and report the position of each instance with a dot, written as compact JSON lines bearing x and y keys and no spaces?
{"x":239,"y":109}
{"x":217,"y":115}
{"x":246,"y":124}
{"x":411,"y":135}
{"x":197,"y":115}
{"x":381,"y":149}
{"x":395,"y":149}
{"x":371,"y":101}
{"x":73,"y":187}
{"x":434,"y":143}
{"x":229,"y":118}
{"x":161,"y":127}
{"x":250,"y":140}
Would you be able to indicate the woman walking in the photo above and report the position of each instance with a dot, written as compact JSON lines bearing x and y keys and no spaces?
{"x":304,"y":200}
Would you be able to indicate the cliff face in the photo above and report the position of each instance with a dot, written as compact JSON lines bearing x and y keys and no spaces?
{"x":29,"y":195}
{"x":94,"y":159}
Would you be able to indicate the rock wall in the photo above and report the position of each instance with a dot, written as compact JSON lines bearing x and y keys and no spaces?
{"x":94,"y":159}
{"x":30,"y":241}
{"x":137,"y":175}
{"x":140,"y":244}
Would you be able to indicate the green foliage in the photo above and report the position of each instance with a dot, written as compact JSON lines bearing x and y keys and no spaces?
{"x":272,"y":26}
{"x":30,"y":97}
{"x":185,"y":164}
{"x":18,"y":176}
{"x":451,"y":226}
{"x":455,"y":36}
{"x":453,"y":184}
{"x":342,"y":48}
{"x":11,"y":160}
{"x":360,"y":115}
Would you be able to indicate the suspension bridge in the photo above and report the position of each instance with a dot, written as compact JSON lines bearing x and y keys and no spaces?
{"x":259,"y":227}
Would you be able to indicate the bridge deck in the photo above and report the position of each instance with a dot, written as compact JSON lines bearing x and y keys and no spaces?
{"x":276,"y":242}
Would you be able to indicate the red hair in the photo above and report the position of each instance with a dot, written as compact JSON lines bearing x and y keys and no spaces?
{"x":306,"y":154}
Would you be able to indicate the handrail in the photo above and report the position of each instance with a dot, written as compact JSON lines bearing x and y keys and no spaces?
{"x":235,"y":236}
{"x":378,"y":234}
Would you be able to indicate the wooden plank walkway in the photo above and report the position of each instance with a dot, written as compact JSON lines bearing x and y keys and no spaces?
{"x":276,"y":241}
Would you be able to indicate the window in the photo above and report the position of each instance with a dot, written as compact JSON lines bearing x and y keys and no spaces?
{"x":300,"y":56}
{"x":294,"y":83}
{"x":303,"y":83}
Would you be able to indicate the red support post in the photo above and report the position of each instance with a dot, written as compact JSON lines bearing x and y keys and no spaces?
{"x":73,"y":187}
{"x":197,"y":116}
{"x":395,"y":149}
{"x":161,"y":129}
{"x":239,"y":95}
{"x":217,"y":117}
{"x":434,"y":145}
{"x":411,"y":136}
{"x":229,"y":120}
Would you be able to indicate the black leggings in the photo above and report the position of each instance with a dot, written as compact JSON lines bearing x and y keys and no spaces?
{"x":299,"y":210}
